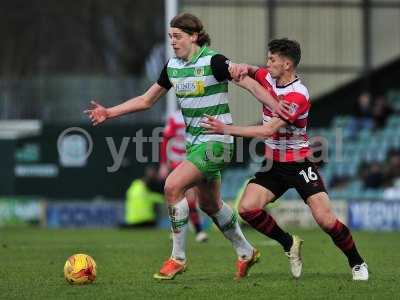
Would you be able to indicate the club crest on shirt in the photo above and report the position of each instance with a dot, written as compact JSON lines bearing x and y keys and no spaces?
{"x":293,"y":107}
{"x":199,"y":71}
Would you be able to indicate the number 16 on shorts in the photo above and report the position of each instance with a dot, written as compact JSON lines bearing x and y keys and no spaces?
{"x":310,"y":175}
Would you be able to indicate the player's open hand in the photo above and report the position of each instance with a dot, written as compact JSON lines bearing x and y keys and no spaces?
{"x":283,"y":108}
{"x":212,"y":125}
{"x":238,"y":71}
{"x":96,"y":113}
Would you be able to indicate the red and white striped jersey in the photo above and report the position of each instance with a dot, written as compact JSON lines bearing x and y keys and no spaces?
{"x":173,"y":149}
{"x":290,"y":143}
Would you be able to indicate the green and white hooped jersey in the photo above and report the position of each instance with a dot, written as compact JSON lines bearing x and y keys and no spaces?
{"x":199,"y":93}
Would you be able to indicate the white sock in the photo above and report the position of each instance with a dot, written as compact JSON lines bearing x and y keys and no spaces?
{"x":178,"y":215}
{"x":226,"y":221}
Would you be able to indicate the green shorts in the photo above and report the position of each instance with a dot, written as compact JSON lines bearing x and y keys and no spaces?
{"x":210,"y":158}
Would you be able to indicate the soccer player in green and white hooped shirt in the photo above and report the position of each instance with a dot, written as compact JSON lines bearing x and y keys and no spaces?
{"x":200,"y":78}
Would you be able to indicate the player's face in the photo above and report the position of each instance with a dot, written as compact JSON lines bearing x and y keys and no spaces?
{"x":277,"y":65}
{"x":181,"y":42}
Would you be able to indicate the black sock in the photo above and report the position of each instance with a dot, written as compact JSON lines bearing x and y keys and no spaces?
{"x":353,"y":256}
{"x":265,"y":223}
{"x":286,"y":241}
{"x":343,"y":239}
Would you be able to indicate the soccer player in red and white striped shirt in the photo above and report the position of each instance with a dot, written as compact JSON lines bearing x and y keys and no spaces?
{"x":286,"y":151}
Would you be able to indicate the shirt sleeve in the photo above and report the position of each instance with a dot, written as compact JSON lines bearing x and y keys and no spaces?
{"x":260,"y":75}
{"x":219,"y":67}
{"x":163,"y":80}
{"x":298,"y":105}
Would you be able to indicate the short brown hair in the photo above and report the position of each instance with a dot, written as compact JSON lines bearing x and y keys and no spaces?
{"x":191,"y":24}
{"x":285,"y":47}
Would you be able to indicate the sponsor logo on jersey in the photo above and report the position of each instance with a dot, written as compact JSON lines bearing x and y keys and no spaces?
{"x":190,"y":88}
{"x":184,"y":87}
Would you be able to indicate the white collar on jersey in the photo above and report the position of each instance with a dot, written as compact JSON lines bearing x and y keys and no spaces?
{"x":297,"y":78}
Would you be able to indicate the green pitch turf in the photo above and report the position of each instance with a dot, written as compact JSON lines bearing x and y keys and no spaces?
{"x":32,"y":260}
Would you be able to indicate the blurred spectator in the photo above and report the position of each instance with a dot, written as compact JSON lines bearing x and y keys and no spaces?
{"x":363,"y":170}
{"x":362,"y":115}
{"x":380,"y":112}
{"x":372,"y":175}
{"x":339,"y":182}
{"x":141,"y":199}
{"x":392,"y":172}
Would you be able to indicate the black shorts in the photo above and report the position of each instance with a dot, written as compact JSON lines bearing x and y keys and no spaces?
{"x":303,"y":176}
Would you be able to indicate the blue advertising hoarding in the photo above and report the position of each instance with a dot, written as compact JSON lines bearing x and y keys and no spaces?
{"x":379,"y":215}
{"x":84,"y":214}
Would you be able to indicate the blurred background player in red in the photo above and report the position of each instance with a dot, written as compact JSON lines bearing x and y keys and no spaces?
{"x":173,"y":152}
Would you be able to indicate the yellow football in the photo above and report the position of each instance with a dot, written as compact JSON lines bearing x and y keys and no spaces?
{"x":80,"y":269}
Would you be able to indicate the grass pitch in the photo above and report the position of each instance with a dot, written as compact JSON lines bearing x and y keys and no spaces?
{"x":32,"y":263}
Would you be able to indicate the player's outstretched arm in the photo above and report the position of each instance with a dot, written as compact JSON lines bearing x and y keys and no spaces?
{"x":214,"y":126}
{"x":98,"y":113}
{"x":239,"y":71}
{"x":259,"y":92}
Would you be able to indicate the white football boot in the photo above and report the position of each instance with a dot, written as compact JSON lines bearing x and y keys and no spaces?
{"x":295,"y":262}
{"x":360,"y":272}
{"x":201,"y":237}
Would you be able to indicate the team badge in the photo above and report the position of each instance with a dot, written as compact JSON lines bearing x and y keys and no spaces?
{"x":293,"y":107}
{"x":199,"y":71}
